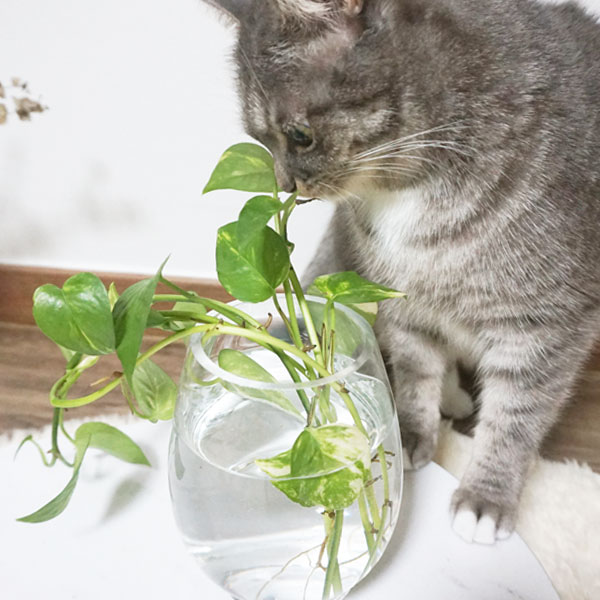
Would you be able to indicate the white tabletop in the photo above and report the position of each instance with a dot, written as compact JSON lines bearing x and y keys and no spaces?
{"x":118,"y":539}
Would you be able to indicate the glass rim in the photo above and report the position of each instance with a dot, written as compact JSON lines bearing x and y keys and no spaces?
{"x":197,"y":348}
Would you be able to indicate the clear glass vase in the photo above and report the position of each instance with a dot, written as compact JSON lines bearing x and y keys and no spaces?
{"x":245,"y":532}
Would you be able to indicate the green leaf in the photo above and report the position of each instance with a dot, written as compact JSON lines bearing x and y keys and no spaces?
{"x":253,"y":273}
{"x":112,"y":441}
{"x":246,"y":167}
{"x":349,"y":287}
{"x":154,"y":391}
{"x":256,"y":213}
{"x":195,"y":310}
{"x":78,"y":316}
{"x":327,"y":466}
{"x":349,"y":334}
{"x":89,"y":435}
{"x":130,"y":316}
{"x":242,"y":365}
{"x":367,"y":310}
{"x":155,"y":319}
{"x":58,"y":504}
{"x":190,"y":313}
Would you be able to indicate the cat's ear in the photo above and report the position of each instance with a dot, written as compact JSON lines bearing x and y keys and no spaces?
{"x":235,"y":9}
{"x":315,"y":9}
{"x":353,"y":7}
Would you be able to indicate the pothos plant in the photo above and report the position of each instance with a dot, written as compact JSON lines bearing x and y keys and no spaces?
{"x":329,"y":464}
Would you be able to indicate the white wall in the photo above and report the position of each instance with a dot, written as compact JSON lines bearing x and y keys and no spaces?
{"x":141,"y":104}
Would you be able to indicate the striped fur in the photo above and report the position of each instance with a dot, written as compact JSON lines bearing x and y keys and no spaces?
{"x":459,"y":139}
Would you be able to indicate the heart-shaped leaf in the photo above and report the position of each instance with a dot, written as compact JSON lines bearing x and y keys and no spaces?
{"x":252,"y":273}
{"x":246,"y":167}
{"x":367,"y":310}
{"x":348,"y":287}
{"x":112,"y":441}
{"x":256,"y":213}
{"x":327,"y":466}
{"x":242,"y":365}
{"x":89,"y":435}
{"x":154,"y":391}
{"x":130,"y":316}
{"x":77,"y":316}
{"x":58,"y":504}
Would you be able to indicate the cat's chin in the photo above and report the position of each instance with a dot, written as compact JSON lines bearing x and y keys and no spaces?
{"x":353,"y":188}
{"x":323,"y":192}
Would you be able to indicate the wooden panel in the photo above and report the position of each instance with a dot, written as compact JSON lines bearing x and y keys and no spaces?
{"x":30,"y":363}
{"x":17,"y":284}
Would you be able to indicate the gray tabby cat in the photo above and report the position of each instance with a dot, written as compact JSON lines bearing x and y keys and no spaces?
{"x":460,"y":140}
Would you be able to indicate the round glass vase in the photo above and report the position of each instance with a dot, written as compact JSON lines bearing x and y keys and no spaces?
{"x":254,"y":533}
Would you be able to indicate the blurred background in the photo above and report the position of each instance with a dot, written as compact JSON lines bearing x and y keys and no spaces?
{"x":142,"y":103}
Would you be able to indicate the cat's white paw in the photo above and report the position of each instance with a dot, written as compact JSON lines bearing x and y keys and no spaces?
{"x":471,"y":529}
{"x":475,"y":520}
{"x":456,"y":403}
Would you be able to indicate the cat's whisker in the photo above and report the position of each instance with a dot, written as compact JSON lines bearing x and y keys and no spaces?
{"x":365,"y":169}
{"x":338,"y":191}
{"x":365,"y":172}
{"x":418,"y":144}
{"x":447,"y":127}
{"x":381,"y":167}
{"x":392,"y":155}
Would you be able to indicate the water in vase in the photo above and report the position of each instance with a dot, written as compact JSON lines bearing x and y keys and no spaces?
{"x":247,"y":535}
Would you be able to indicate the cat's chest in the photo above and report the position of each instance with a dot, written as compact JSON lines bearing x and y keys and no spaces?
{"x":396,"y":244}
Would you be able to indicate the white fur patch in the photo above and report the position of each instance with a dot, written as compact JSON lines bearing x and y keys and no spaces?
{"x":396,"y":216}
{"x":304,"y":8}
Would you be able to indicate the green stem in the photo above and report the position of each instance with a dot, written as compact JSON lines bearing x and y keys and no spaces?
{"x":235,"y":314}
{"x":288,"y":209}
{"x":386,"y":495}
{"x":187,"y":316}
{"x":310,"y":326}
{"x":291,"y":367}
{"x":289,"y":296}
{"x":266,"y":339}
{"x":372,"y":499}
{"x":56,"y":453}
{"x":29,"y":438}
{"x":62,"y":427}
{"x":332,"y":574}
{"x":366,"y":523}
{"x":295,"y":328}
{"x":59,"y":402}
{"x":293,"y":334}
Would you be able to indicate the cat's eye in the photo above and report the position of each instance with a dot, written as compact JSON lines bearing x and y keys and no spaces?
{"x":299,"y":135}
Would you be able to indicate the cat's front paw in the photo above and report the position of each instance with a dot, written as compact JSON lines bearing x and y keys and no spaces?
{"x":479,"y":519}
{"x":418,"y":450}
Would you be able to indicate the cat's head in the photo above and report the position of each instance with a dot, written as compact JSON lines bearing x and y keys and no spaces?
{"x":321,"y":87}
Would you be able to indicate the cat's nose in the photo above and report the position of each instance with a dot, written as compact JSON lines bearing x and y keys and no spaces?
{"x":285,"y":181}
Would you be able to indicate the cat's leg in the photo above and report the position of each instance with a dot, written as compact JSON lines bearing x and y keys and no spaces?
{"x":525,"y":383}
{"x":417,"y":366}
